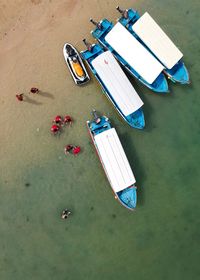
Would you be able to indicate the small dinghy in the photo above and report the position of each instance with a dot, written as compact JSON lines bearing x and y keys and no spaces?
{"x":75,"y":65}
{"x":113,"y":160}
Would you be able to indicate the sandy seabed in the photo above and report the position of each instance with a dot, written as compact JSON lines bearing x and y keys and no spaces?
{"x":101,"y":240}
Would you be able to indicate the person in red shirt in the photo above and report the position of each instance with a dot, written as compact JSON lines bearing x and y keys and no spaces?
{"x":68,"y":148}
{"x":55,"y":129}
{"x":58,"y":119}
{"x":76,"y":150}
{"x":68,"y":120}
{"x":20,"y":97}
{"x":34,"y":90}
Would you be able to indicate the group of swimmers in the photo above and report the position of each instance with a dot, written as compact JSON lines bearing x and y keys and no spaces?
{"x":56,"y":128}
{"x":20,"y":96}
{"x":58,"y":122}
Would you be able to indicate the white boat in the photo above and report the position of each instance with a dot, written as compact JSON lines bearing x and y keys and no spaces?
{"x":157,"y":40}
{"x":114,"y":161}
{"x":116,"y":85}
{"x":150,"y":34}
{"x":134,"y":53}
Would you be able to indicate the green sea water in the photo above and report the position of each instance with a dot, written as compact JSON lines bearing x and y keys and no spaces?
{"x":101,"y":239}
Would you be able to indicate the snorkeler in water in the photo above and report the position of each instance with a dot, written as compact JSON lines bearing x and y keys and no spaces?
{"x":65,"y":214}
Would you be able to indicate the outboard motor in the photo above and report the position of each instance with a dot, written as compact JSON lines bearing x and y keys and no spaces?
{"x":88,"y":45}
{"x":97,"y":119}
{"x":97,"y":24}
{"x":124,"y":13}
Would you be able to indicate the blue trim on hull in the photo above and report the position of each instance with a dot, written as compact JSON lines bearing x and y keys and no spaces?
{"x":178,"y":73}
{"x":128,"y":197}
{"x":99,"y":127}
{"x":136,"y":119}
{"x":160,"y":85}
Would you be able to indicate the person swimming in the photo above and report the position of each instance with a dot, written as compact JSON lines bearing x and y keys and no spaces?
{"x":20,"y":96}
{"x":76,"y":150}
{"x":34,"y":90}
{"x":68,"y":148}
{"x":65,"y":214}
{"x":58,"y":120}
{"x":55,"y":129}
{"x":68,"y":120}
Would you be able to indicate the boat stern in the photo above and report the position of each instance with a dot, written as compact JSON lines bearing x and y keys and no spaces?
{"x":132,"y":17}
{"x":106,"y":26}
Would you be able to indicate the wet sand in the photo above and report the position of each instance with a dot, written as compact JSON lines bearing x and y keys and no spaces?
{"x":101,"y":240}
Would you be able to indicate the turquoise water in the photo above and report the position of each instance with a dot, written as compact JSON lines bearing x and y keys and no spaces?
{"x":101,"y":239}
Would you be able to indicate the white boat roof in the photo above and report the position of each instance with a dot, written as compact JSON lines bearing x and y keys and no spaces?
{"x":135,"y":54}
{"x":114,"y":160}
{"x":157,"y":41}
{"x":117,"y":83}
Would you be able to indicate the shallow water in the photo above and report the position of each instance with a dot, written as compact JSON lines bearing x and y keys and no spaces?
{"x":101,"y":239}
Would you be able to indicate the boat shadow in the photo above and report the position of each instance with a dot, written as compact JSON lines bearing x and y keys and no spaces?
{"x":46,"y":94}
{"x":148,"y":113}
{"x":147,"y":95}
{"x":147,"y":108}
{"x":135,"y":163}
{"x":32,"y":101}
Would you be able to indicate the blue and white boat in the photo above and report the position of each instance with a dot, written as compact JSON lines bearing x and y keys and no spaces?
{"x":113,"y":160}
{"x":115,"y":84}
{"x":137,"y":60}
{"x":149,"y":33}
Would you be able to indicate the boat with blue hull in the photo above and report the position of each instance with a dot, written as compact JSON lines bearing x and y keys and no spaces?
{"x":149,"y":33}
{"x":115,"y":84}
{"x":113,"y":160}
{"x":136,"y":59}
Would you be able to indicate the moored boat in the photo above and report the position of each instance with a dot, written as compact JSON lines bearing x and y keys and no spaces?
{"x":75,"y":65}
{"x":136,"y":59}
{"x":149,"y":33}
{"x":113,"y":160}
{"x":115,"y":84}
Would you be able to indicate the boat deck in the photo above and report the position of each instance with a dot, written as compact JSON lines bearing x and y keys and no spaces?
{"x":134,"y":53}
{"x":114,"y":160}
{"x":116,"y":82}
{"x":157,"y":40}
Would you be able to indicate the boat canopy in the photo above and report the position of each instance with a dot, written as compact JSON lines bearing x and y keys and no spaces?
{"x":134,"y":53}
{"x":157,"y":41}
{"x":114,"y":160}
{"x":117,"y":83}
